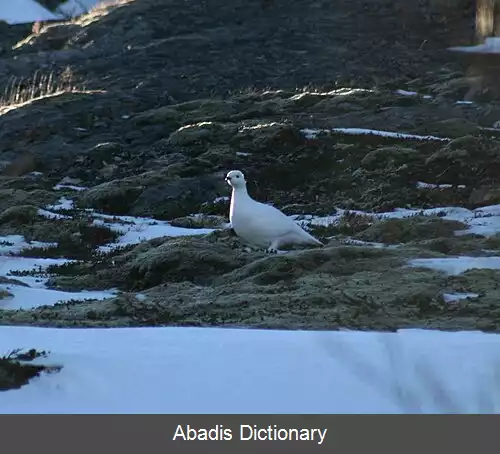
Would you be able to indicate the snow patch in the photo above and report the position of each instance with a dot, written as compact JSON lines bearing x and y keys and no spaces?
{"x":338,"y":92}
{"x":62,"y":204}
{"x":255,"y":371}
{"x":221,"y":199}
{"x":134,"y":230}
{"x":13,"y":244}
{"x":313,"y":133}
{"x":51,"y":215}
{"x":457,"y":265}
{"x":36,"y":294}
{"x":59,"y":187}
{"x":484,"y":221}
{"x":406,"y":93}
{"x":423,"y":185}
{"x":454,"y":297}
{"x":30,"y":298}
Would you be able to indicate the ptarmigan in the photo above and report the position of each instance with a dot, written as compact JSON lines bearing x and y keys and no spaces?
{"x":259,"y":224}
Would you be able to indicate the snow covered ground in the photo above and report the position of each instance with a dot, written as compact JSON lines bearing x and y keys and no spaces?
{"x":215,"y":370}
{"x":133,"y":230}
{"x":35,"y":294}
{"x":312,"y":133}
{"x":458,"y":265}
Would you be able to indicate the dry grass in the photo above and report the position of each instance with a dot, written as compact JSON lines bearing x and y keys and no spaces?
{"x":20,"y":91}
{"x":16,"y":372}
{"x":97,"y":11}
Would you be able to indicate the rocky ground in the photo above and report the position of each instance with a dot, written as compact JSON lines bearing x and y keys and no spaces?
{"x":149,"y":103}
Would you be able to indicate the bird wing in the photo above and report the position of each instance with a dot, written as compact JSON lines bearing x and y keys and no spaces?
{"x":279,"y":225}
{"x":306,"y":236}
{"x":268,"y":220}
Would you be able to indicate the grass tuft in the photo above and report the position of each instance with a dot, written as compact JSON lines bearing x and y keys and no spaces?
{"x":20,"y":91}
{"x":15,"y":372}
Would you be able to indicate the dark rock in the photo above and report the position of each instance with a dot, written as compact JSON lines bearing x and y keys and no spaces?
{"x":177,"y":197}
{"x":485,"y":196}
{"x":114,"y":197}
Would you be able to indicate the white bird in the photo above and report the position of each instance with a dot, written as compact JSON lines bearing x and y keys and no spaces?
{"x":259,"y":224}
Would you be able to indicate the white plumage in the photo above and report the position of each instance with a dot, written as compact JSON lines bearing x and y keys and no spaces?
{"x":259,"y":224}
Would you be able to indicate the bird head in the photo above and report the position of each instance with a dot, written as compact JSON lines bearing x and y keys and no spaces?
{"x":235,"y":179}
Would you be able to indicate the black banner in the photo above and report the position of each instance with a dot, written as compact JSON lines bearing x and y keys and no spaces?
{"x":249,"y":433}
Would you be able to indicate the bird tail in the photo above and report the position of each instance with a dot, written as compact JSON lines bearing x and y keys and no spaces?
{"x":319,"y":243}
{"x":307,"y":237}
{"x":313,"y":240}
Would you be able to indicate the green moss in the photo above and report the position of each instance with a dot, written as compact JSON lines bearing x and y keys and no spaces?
{"x":394,"y":231}
{"x":382,"y":157}
{"x":19,"y":215}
